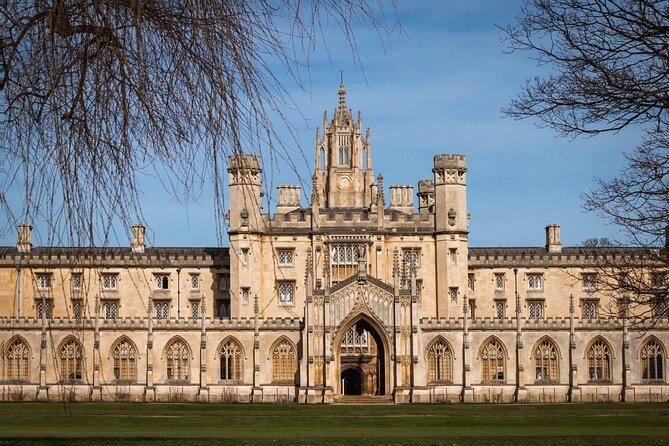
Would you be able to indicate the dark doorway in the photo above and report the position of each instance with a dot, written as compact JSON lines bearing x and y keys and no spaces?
{"x":351,"y":382}
{"x":362,"y":354}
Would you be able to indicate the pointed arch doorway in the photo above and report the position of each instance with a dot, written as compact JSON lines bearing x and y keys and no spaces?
{"x":362,"y":352}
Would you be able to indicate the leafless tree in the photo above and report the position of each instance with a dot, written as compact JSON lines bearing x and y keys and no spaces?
{"x":607,"y":67}
{"x":607,"y":63}
{"x":98,"y":93}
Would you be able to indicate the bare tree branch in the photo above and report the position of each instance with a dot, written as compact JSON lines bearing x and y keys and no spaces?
{"x":94,"y":93}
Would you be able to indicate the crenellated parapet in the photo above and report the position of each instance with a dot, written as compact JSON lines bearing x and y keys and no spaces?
{"x":450,"y":169}
{"x":244,"y":169}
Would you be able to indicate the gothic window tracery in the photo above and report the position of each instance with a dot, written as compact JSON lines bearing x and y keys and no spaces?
{"x":17,"y":361}
{"x":177,"y":354}
{"x":125,"y":360}
{"x":439,"y":361}
{"x":71,"y":361}
{"x":599,"y":361}
{"x":492,"y":361}
{"x":283,"y":361}
{"x":546,"y":361}
{"x":652,"y":360}
{"x":231,"y":362}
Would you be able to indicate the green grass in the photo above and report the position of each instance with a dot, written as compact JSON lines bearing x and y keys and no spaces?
{"x":199,"y":424}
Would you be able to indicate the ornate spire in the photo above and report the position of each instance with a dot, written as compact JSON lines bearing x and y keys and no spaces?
{"x":342,"y":96}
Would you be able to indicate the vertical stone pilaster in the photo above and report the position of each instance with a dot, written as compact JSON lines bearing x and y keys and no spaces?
{"x":203,"y":392}
{"x":467,"y":390}
{"x":257,"y":390}
{"x":574,"y":395}
{"x":149,"y":393}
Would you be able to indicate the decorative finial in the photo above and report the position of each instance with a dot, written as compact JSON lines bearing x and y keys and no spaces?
{"x":341,"y":76}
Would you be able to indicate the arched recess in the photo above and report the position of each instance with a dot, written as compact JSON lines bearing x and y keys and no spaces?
{"x":652,"y":355}
{"x":230,"y":354}
{"x":493,"y":356}
{"x":124,"y":355}
{"x":284,"y":361}
{"x":177,"y":355}
{"x":381,"y":382}
{"x":71,"y":357}
{"x":16,"y":355}
{"x":599,"y":356}
{"x":546,"y":355}
{"x":439,"y":357}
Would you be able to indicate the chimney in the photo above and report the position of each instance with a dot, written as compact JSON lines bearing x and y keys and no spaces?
{"x":401,"y":198}
{"x":553,"y":238}
{"x":138,"y":244}
{"x":25,"y":241}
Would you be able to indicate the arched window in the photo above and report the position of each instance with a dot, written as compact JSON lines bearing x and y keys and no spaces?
{"x":125,"y":360}
{"x":599,"y":360}
{"x":439,"y":361}
{"x":17,"y":359}
{"x":283,"y":361}
{"x":546,"y":361}
{"x":178,"y":361}
{"x":492,"y":359}
{"x":652,"y":360}
{"x":322,"y":159}
{"x":231,"y":361}
{"x":71,"y":360}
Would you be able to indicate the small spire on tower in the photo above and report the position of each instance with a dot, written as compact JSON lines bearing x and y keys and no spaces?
{"x":342,"y":91}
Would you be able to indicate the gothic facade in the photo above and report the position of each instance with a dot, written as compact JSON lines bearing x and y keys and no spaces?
{"x":346,"y":296}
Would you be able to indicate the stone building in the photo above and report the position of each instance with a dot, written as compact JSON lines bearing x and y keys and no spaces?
{"x":348,"y":295}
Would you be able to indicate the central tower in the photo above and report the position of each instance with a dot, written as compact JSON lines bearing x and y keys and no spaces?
{"x":343,"y":170}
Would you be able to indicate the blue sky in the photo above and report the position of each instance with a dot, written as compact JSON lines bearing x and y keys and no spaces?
{"x":439,"y":88}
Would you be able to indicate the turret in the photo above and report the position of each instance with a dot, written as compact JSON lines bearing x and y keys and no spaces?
{"x":426,"y":196}
{"x":245,"y":193}
{"x":450,"y":192}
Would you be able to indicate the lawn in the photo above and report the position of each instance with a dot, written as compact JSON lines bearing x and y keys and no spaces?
{"x":81,"y":424}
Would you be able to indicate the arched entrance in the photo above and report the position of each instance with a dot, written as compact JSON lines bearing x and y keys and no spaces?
{"x":362,"y":360}
{"x":351,"y":381}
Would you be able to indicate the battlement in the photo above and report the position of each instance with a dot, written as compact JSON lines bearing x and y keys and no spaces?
{"x":237,"y":162}
{"x":450,"y":161}
{"x":425,"y":186}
